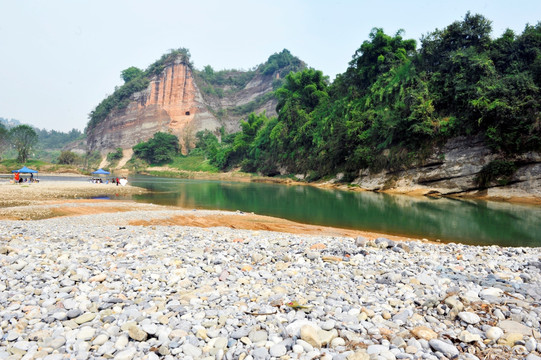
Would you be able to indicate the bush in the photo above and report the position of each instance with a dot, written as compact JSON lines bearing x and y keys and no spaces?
{"x":68,"y":158}
{"x":92,"y":159}
{"x":496,"y":170}
{"x":115,"y":155}
{"x":160,"y":149}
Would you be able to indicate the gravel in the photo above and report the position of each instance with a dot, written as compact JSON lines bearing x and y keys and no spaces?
{"x":85,"y":287}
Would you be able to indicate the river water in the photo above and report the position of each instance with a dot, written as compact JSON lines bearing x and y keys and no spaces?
{"x":473,"y":222}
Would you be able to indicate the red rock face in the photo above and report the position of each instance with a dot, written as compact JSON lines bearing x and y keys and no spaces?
{"x":172,"y":103}
{"x":174,"y":92}
{"x":168,"y":105}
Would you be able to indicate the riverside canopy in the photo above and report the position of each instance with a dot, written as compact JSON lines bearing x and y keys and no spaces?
{"x":25,"y":170}
{"x":100,"y":171}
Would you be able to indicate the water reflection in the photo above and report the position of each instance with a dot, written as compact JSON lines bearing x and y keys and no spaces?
{"x":472,"y":222}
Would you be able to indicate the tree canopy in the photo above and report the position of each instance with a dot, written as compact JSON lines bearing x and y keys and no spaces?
{"x":4,"y":139}
{"x":161,"y":148}
{"x":23,"y":138}
{"x":396,"y":102}
{"x":131,"y":73}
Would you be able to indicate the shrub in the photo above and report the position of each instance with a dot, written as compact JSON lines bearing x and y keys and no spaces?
{"x":68,"y":158}
{"x":115,"y":155}
{"x":160,"y":149}
{"x":496,"y":170}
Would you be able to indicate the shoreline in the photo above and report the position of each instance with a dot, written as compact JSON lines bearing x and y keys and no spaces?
{"x":36,"y":201}
{"x":45,"y":200}
{"x":491,"y":194}
{"x":513,"y":197}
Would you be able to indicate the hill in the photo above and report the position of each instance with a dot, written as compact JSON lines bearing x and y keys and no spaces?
{"x":172,"y":96}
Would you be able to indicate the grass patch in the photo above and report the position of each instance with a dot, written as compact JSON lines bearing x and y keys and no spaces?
{"x":193,"y":163}
{"x":171,"y":174}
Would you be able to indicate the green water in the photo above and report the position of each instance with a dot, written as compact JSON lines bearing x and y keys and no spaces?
{"x":469,"y":222}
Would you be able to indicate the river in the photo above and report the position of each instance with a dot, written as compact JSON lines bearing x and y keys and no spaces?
{"x":473,"y":222}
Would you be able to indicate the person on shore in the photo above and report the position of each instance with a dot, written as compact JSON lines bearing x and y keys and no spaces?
{"x":16,"y":177}
{"x":117,"y":181}
{"x":31,"y":177}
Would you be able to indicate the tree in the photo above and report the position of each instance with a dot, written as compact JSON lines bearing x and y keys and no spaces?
{"x":159,"y":149}
{"x":115,"y":155}
{"x":131,"y":73}
{"x":4,"y":139}
{"x":375,"y":57}
{"x":68,"y":157}
{"x":293,"y":136}
{"x":24,"y":138}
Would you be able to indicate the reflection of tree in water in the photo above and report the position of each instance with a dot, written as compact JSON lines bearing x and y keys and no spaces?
{"x":475,"y":222}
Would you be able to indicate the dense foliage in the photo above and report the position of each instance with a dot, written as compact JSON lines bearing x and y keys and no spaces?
{"x":161,"y":148}
{"x":23,"y":138}
{"x":229,"y":82}
{"x":134,"y":80}
{"x":49,"y":142}
{"x":115,"y":155}
{"x":282,"y":63}
{"x":67,"y":157}
{"x":495,"y":171}
{"x":4,"y":139}
{"x":52,"y":139}
{"x":395,"y":102}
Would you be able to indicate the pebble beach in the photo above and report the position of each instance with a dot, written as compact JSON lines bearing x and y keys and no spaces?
{"x":97,"y":286}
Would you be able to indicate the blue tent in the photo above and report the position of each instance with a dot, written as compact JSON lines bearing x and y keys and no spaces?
{"x":100,"y":171}
{"x":24,"y":170}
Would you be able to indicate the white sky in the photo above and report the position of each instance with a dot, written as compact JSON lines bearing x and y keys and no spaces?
{"x":60,"y":58}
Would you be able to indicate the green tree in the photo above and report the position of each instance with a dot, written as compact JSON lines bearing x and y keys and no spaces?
{"x":131,"y":73}
{"x":161,"y":148}
{"x":301,"y":93}
{"x":23,"y":138}
{"x":207,"y":142}
{"x":472,"y":32}
{"x":375,"y":57}
{"x":68,"y":157}
{"x":242,"y":141}
{"x":115,"y":155}
{"x":263,"y":153}
{"x":4,"y":139}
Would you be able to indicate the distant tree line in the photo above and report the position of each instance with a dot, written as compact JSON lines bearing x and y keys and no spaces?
{"x":395,"y":103}
{"x":24,"y":139}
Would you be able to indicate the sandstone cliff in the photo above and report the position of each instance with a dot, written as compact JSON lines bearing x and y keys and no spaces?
{"x":452,"y":171}
{"x":170,"y":103}
{"x":178,"y":100}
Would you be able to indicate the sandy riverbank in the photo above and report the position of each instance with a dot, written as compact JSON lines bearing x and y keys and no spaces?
{"x":35,"y":193}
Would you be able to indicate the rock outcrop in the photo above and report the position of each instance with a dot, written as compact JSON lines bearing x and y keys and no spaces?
{"x":173,"y":103}
{"x":452,"y":171}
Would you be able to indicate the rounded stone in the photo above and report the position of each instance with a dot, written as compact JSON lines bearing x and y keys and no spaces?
{"x":277,"y":350}
{"x":136,"y":333}
{"x":338,"y":342}
{"x":449,"y":350}
{"x":494,"y":333}
{"x":86,"y":333}
{"x":469,"y":317}
{"x":191,"y":350}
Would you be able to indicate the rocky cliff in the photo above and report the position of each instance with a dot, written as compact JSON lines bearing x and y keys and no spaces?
{"x":179,"y":101}
{"x":452,"y":171}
